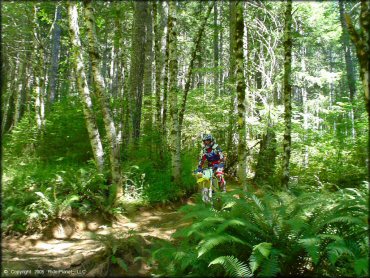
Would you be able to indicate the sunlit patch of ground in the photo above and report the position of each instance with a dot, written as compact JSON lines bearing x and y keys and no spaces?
{"x":80,"y":250}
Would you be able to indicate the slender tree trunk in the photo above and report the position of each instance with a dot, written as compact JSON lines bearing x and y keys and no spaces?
{"x":19,"y":99}
{"x":148,"y":73}
{"x":158,"y":65}
{"x":39,"y":78}
{"x":231,"y":81}
{"x":110,"y":128}
{"x":215,"y":50}
{"x":240,"y":90}
{"x":137,"y":67}
{"x":287,"y":93}
{"x":173,"y":69}
{"x":55,"y":49}
{"x":165,"y":82}
{"x":7,"y":99}
{"x":83,"y":88}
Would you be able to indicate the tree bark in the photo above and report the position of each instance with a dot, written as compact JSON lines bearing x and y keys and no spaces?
{"x":165,"y":82}
{"x":148,"y":72}
{"x":55,"y":49}
{"x":240,"y":90}
{"x":215,"y":50}
{"x":137,"y":68}
{"x":230,"y":150}
{"x":287,"y":93}
{"x":39,"y":77}
{"x":361,"y":41}
{"x":83,"y":88}
{"x":158,"y":65}
{"x":173,"y":70}
{"x":110,"y":128}
{"x":347,"y":54}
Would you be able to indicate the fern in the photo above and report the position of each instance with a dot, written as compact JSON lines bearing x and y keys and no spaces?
{"x":312,"y":247}
{"x":232,"y":266}
{"x":207,"y":244}
{"x":270,"y":267}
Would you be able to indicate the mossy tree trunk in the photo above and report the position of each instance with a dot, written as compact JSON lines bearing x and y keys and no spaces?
{"x":361,"y":41}
{"x":287,"y":93}
{"x":136,"y":78}
{"x":101,"y":92}
{"x":83,"y":88}
{"x":175,"y":140}
{"x":240,"y":91}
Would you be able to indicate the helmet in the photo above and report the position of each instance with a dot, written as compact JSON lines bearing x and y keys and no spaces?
{"x":208,"y":137}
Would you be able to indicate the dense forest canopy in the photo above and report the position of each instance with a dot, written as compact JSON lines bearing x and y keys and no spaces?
{"x":104,"y":104}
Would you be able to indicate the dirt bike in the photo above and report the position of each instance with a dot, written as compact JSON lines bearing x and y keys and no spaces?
{"x":208,"y":183}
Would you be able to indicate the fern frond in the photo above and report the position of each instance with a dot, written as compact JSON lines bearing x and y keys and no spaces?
{"x":312,"y":247}
{"x":207,"y":244}
{"x":232,"y":266}
{"x":230,"y":223}
{"x":257,"y":202}
{"x":66,"y":204}
{"x":336,"y":251}
{"x":362,"y":267}
{"x":346,"y":219}
{"x":270,"y":267}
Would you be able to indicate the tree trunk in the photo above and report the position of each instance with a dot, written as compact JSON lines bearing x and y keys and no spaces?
{"x":110,"y":128}
{"x":39,"y":78}
{"x":148,"y":72}
{"x":137,"y":67}
{"x":232,"y":156}
{"x":165,"y":82}
{"x":83,"y":88}
{"x":19,"y":91}
{"x":158,"y":65}
{"x":267,"y":157}
{"x":287,"y":93}
{"x":55,"y":48}
{"x":173,"y":69}
{"x":240,"y":90}
{"x":349,"y":65}
{"x":216,"y":78}
{"x":347,"y":54}
{"x":362,"y":43}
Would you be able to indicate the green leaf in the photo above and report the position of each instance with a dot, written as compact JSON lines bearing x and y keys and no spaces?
{"x":232,"y":266}
{"x":312,"y":247}
{"x":362,"y":266}
{"x":122,"y":264}
{"x":207,"y":244}
{"x":264,"y":248}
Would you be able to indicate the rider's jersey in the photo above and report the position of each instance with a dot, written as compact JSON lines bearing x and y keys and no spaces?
{"x":212,"y":154}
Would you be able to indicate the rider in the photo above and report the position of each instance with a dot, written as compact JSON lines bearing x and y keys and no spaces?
{"x":215,"y":158}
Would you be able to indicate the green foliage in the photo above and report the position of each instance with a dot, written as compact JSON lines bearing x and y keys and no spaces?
{"x":318,"y":233}
{"x":123,"y":248}
{"x":46,"y":210}
{"x":65,"y":135}
{"x":232,"y":266}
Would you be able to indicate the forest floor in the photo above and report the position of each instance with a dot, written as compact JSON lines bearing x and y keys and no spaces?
{"x":84,"y":251}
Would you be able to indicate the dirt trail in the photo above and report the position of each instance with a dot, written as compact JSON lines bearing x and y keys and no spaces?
{"x":81,"y":254}
{"x":78,"y":251}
